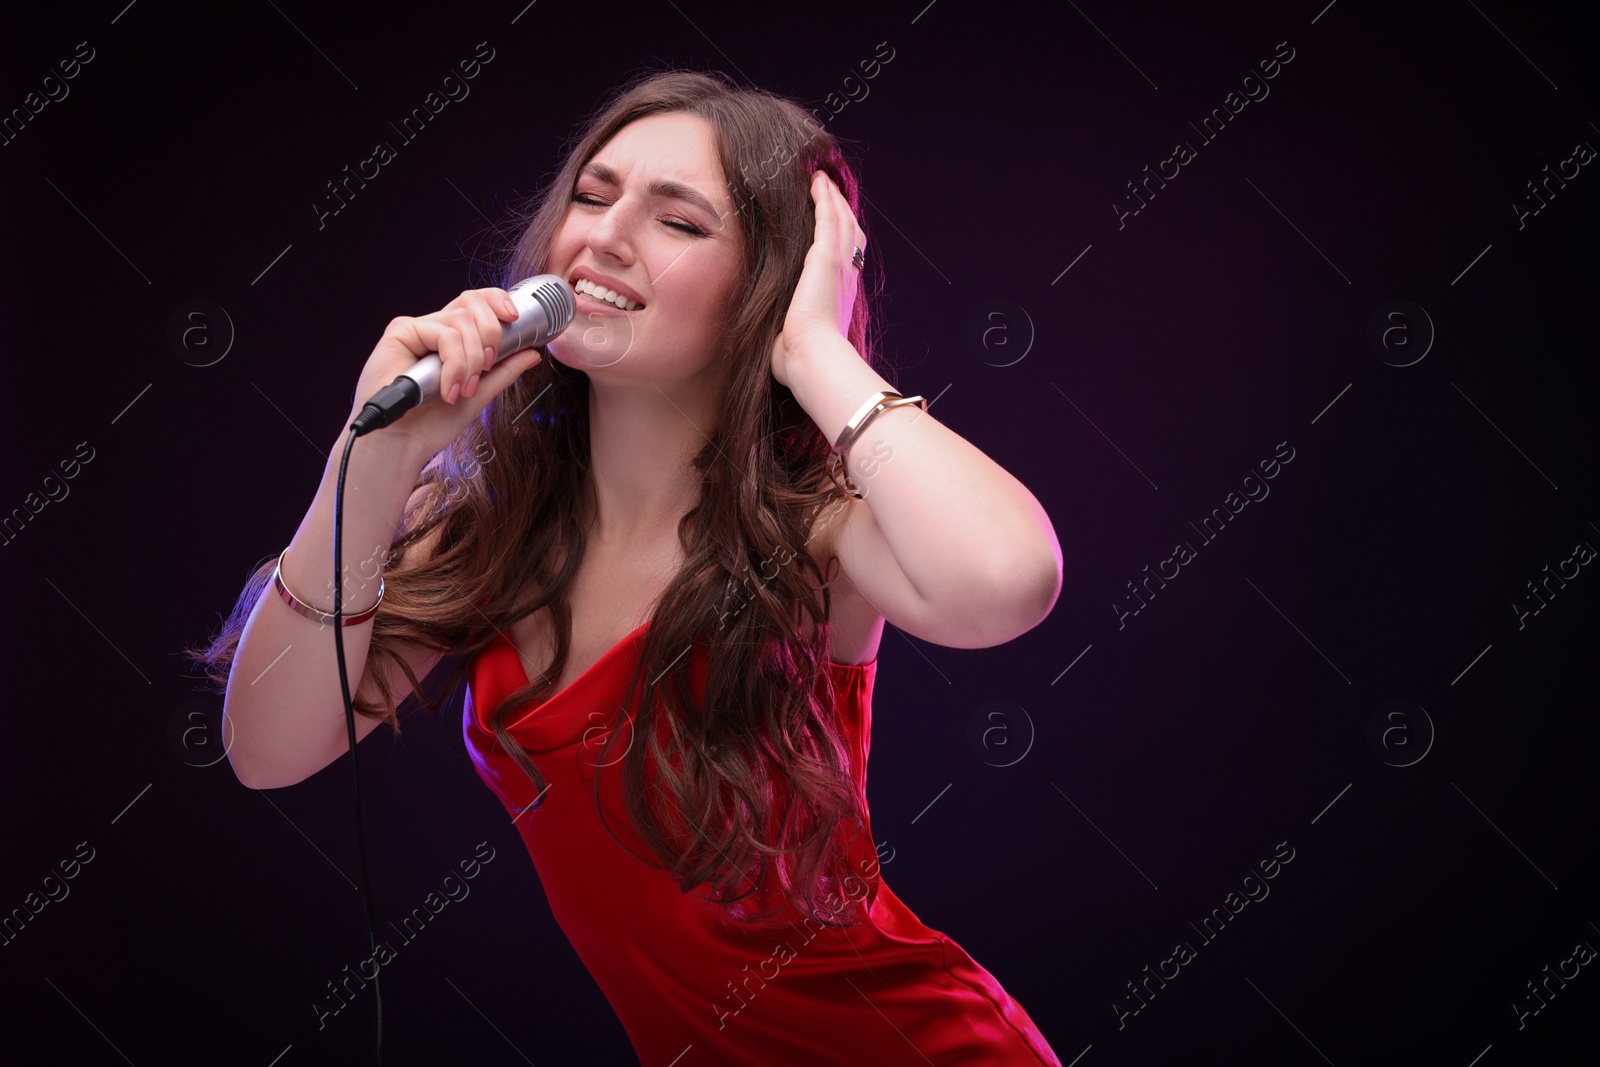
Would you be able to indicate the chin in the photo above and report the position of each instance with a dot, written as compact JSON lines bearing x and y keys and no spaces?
{"x":596,"y":353}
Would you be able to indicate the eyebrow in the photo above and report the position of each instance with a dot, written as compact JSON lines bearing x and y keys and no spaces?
{"x":660,"y":187}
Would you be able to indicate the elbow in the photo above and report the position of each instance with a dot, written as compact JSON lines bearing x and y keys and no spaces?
{"x":253,"y":779}
{"x":998,"y":606}
{"x":251,"y":773}
{"x":1048,"y":584}
{"x":1031,"y":590}
{"x":1032,"y":574}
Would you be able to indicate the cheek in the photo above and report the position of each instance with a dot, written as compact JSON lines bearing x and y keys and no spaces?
{"x":696,"y":290}
{"x":564,"y":245}
{"x":702,"y":289}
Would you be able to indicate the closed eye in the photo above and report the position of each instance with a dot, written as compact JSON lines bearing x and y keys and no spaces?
{"x":588,"y":200}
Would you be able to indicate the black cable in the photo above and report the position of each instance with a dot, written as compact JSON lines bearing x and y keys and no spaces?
{"x":350,"y":725}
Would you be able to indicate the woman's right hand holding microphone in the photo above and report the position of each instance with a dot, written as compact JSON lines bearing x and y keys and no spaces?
{"x":465,"y":334}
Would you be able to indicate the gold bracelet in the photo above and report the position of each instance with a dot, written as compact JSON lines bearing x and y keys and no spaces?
{"x":316,"y":615}
{"x":876,"y":405}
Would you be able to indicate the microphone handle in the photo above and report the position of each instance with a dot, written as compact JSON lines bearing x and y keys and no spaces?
{"x":392,"y":401}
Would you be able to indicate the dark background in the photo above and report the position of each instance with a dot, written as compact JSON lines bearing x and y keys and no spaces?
{"x":1231,"y":315}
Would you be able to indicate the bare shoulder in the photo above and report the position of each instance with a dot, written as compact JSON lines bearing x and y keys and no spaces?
{"x":856,"y":626}
{"x":824,"y":531}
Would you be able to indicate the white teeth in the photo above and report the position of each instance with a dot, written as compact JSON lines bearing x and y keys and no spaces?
{"x":611,"y":296}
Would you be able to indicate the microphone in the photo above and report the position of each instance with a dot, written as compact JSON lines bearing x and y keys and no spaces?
{"x":546,"y":304}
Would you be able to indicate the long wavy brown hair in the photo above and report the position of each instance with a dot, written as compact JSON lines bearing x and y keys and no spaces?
{"x":759,"y":761}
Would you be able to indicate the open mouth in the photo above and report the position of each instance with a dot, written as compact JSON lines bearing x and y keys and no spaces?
{"x":606,"y":298}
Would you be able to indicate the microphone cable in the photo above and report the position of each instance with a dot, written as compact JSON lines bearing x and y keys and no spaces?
{"x":350,"y":726}
{"x":547,"y":306}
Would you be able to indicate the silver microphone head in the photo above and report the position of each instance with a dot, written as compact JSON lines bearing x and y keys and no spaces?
{"x":547,"y":306}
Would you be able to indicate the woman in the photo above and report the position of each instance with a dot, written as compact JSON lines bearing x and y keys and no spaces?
{"x":665,"y":602}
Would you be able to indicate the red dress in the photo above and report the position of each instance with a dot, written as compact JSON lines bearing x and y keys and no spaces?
{"x":691,"y":987}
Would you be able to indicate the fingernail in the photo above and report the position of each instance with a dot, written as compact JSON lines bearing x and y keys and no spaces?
{"x":472,"y":386}
{"x":455,"y":391}
{"x":511,"y":309}
{"x":488,"y":357}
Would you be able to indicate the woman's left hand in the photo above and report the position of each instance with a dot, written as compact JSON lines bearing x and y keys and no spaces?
{"x":825,"y":296}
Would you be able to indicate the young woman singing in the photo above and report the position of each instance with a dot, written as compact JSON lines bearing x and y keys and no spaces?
{"x":666,"y":599}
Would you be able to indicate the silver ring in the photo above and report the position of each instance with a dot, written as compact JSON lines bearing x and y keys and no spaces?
{"x":858,"y":258}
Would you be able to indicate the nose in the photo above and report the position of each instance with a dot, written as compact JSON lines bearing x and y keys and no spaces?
{"x":609,"y":233}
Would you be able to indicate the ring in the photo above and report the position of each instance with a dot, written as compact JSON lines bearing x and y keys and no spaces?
{"x":858,"y":258}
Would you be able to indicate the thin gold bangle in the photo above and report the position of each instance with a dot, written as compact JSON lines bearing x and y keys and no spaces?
{"x":300,"y":607}
{"x":876,"y":405}
{"x":857,"y":421}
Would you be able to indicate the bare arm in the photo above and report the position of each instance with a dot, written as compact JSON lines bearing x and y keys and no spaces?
{"x":945,"y":544}
{"x":283,"y":713}
{"x":283,"y":716}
